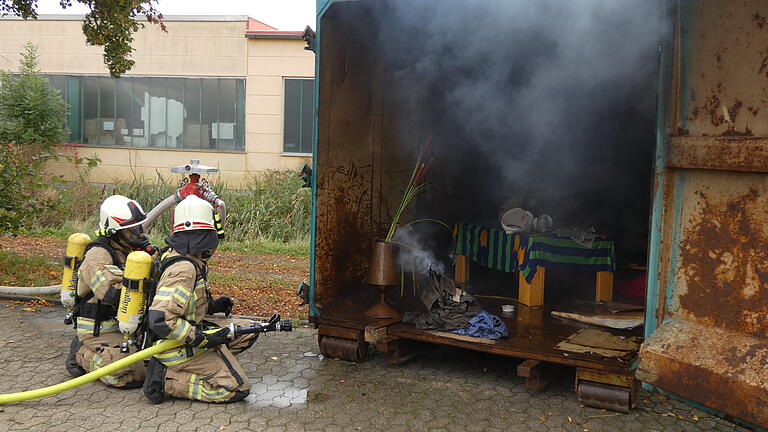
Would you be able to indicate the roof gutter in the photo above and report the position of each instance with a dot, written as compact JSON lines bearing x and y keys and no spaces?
{"x":274,"y":35}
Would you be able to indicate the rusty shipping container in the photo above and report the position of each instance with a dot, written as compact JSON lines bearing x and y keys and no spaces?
{"x":702,"y":161}
{"x":707,"y":315}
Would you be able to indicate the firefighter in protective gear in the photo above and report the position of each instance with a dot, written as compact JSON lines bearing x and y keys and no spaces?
{"x":204,"y":368}
{"x":100,"y":277}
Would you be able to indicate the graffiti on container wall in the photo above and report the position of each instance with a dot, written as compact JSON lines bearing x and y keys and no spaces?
{"x":345,"y":221}
{"x":352,"y":173}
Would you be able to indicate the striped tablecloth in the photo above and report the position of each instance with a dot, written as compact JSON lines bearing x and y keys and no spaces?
{"x":493,"y":248}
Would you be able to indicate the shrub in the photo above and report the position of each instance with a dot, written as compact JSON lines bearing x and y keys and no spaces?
{"x":275,"y":207}
{"x":31,"y":120}
{"x":32,"y":116}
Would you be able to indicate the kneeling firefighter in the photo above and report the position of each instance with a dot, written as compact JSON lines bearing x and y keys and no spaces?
{"x":100,"y":276}
{"x":204,"y":368}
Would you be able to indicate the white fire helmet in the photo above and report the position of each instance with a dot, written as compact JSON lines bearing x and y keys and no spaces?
{"x":516,"y":220}
{"x":193,"y":213}
{"x":118,"y":212}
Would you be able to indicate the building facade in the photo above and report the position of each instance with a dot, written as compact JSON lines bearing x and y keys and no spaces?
{"x":228,"y":90}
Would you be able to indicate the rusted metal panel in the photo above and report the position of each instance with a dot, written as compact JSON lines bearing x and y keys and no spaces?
{"x":724,"y":61}
{"x":365,"y":148}
{"x":718,"y":368}
{"x":712,"y":342}
{"x":723,"y":252}
{"x":719,"y":153}
{"x":344,"y":162}
{"x":605,"y":377}
{"x":712,"y":346}
{"x":604,"y":396}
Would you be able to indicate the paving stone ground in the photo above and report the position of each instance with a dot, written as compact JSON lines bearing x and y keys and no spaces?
{"x":296,"y":390}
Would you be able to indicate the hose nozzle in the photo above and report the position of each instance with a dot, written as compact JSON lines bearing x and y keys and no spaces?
{"x":274,"y":324}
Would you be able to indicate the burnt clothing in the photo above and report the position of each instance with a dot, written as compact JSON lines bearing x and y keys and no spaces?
{"x":444,"y":311}
{"x":179,"y":306}
{"x":485,"y":325}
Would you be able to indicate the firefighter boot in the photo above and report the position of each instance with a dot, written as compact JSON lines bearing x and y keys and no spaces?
{"x":155,"y":381}
{"x":73,"y":368}
{"x":239,"y":395}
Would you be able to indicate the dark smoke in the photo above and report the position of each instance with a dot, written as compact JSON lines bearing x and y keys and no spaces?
{"x":548,"y":103}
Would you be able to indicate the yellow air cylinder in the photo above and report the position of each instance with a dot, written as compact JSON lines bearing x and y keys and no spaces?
{"x":138,"y":267}
{"x":74,"y":255}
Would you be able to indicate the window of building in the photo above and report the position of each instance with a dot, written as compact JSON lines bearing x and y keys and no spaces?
{"x":155,"y":112}
{"x":298,"y":115}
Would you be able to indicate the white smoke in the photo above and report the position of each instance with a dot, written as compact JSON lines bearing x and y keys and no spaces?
{"x":551,"y":102}
{"x":415,"y":249}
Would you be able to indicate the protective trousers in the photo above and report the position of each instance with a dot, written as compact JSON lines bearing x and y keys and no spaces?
{"x":214,"y":375}
{"x":97,"y":352}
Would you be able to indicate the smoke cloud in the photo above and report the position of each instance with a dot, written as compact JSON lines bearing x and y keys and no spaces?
{"x":548,"y":103}
{"x":416,"y":249}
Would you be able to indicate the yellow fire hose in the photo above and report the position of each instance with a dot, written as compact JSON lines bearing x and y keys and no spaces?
{"x":91,"y":376}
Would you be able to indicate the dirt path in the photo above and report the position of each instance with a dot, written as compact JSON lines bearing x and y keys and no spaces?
{"x":261,"y":284}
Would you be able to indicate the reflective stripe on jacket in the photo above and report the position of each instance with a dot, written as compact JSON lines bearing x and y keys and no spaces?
{"x":86,"y":325}
{"x":180,"y":302}
{"x":98,"y":274}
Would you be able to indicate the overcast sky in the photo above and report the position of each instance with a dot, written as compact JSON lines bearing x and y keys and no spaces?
{"x":283,"y":14}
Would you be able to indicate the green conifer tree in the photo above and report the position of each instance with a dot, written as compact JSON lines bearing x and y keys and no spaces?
{"x":32,"y":124}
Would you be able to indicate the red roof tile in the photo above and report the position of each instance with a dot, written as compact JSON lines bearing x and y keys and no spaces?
{"x":256,"y":25}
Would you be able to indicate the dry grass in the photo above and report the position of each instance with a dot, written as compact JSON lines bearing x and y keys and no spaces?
{"x":261,"y":284}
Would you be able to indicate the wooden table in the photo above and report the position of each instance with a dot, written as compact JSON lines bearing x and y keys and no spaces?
{"x":531,"y":256}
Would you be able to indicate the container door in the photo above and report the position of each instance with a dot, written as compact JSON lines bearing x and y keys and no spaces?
{"x":707,"y":319}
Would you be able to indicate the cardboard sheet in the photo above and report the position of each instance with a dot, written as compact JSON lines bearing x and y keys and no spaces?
{"x":601,"y":343}
{"x":621,"y":321}
{"x":616,"y":307}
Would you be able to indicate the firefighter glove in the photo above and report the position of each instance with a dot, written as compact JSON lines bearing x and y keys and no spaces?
{"x":210,"y":338}
{"x":223,"y":304}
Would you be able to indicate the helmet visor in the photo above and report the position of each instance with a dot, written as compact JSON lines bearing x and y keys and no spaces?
{"x":137,"y":216}
{"x":136,"y":230}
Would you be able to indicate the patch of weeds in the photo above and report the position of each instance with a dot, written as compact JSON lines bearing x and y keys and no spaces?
{"x":17,"y":270}
{"x":298,"y":249}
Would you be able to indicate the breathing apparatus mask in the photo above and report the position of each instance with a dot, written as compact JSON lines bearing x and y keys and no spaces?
{"x":136,"y":238}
